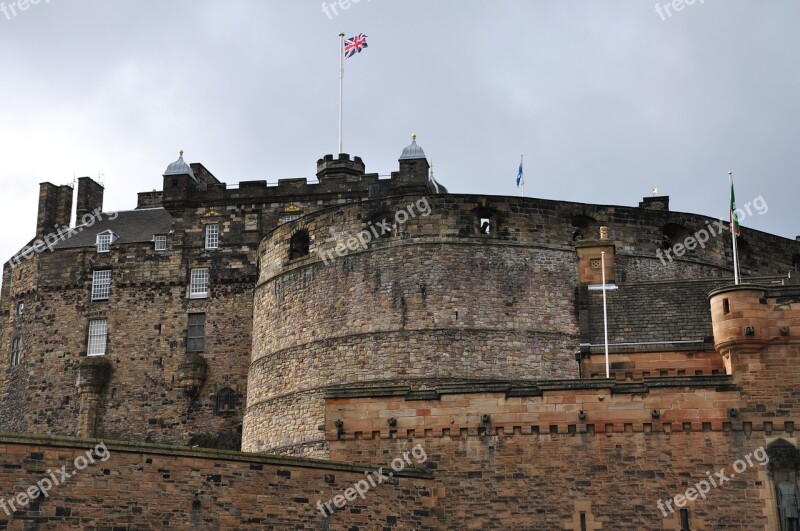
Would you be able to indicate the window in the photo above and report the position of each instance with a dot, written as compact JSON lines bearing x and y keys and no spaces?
{"x":196,"y":339}
{"x":160,"y":241}
{"x":226,"y":401}
{"x":484,"y":221}
{"x":198,"y":284}
{"x":583,"y":521}
{"x":101,"y":285}
{"x":16,"y":351}
{"x":20,"y":307}
{"x":98,"y":336}
{"x":212,"y":236}
{"x":103,"y":241}
{"x":286,"y":218}
{"x":685,"y":520}
{"x":298,"y":245}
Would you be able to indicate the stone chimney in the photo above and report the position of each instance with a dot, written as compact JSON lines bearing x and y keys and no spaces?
{"x":55,"y":207}
{"x":90,"y":198}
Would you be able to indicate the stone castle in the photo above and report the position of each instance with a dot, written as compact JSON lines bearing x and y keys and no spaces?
{"x":252,"y":351}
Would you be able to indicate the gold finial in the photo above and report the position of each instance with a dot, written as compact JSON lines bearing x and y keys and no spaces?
{"x":181,"y":152}
{"x":413,"y":136}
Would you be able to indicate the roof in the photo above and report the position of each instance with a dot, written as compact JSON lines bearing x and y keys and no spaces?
{"x":132,"y":226}
{"x":179,"y":167}
{"x":646,"y":312}
{"x":412,"y":151}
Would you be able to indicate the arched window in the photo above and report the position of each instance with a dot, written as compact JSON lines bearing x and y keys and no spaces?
{"x":298,"y":244}
{"x":226,"y":401}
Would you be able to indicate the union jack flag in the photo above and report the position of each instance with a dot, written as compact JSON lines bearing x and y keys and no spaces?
{"x":354,"y":45}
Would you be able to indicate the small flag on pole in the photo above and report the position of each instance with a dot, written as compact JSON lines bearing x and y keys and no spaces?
{"x":734,"y":219}
{"x":735,"y":230}
{"x":520,"y":179}
{"x":354,"y":45}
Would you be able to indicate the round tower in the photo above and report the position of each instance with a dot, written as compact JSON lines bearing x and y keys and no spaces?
{"x":408,"y":290}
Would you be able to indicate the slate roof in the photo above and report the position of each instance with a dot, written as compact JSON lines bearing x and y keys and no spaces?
{"x":654,"y":311}
{"x":132,"y":226}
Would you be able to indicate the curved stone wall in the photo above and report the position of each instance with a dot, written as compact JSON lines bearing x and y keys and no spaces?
{"x":435,"y":300}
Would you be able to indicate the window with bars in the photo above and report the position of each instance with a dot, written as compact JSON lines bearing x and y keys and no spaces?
{"x":101,"y":285}
{"x":196,"y":338}
{"x":160,"y":241}
{"x":103,"y":241}
{"x":98,"y":337}
{"x":16,"y":351}
{"x":198,"y":284}
{"x":212,"y":236}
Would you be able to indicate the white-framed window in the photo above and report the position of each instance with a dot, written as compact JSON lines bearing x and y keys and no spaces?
{"x":98,"y":337}
{"x":16,"y":351}
{"x":286,"y":218}
{"x":212,"y":236}
{"x":160,"y":242}
{"x":103,"y":241}
{"x":196,"y":338}
{"x":20,"y":307}
{"x":101,"y":285}
{"x":198,"y":283}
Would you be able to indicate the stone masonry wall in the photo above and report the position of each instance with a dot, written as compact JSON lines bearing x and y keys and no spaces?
{"x":536,"y":465}
{"x":152,"y":487}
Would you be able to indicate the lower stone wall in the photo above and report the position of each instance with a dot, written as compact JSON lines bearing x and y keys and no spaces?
{"x":158,"y":487}
{"x":545,"y":481}
{"x":577,"y":455}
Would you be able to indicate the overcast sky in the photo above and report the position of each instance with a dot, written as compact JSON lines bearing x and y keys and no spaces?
{"x":605,"y":98}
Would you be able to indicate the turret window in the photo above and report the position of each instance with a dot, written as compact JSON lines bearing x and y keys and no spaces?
{"x":16,"y":351}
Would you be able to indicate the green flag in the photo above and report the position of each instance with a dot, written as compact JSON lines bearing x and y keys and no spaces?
{"x":734,"y":220}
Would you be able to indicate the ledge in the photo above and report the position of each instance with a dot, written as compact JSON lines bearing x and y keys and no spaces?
{"x":720,"y":382}
{"x":201,"y":453}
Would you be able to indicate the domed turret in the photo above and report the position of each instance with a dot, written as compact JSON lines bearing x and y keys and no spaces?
{"x":179,"y":167}
{"x":412,"y":151}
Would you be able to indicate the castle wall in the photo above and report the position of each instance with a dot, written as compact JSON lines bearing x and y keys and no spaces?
{"x":438,"y":298}
{"x":147,"y":315}
{"x":150,"y":487}
{"x":534,"y":463}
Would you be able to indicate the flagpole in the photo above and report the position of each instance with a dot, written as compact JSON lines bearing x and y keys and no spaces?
{"x":732,"y":217}
{"x":523,"y":176}
{"x":605,"y":313}
{"x":341,"y":89}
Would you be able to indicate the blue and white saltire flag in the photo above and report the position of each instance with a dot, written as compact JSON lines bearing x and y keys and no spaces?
{"x":520,"y":180}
